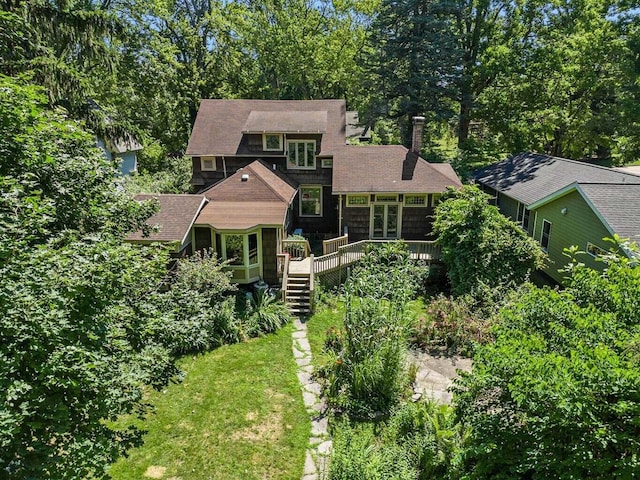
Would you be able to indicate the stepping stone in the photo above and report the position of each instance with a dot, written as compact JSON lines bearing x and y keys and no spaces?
{"x":309,"y":464}
{"x":303,"y":344}
{"x":299,"y":334}
{"x":313,"y":387}
{"x":325,"y":448}
{"x":309,"y":399}
{"x":313,"y":476}
{"x":298,"y":325}
{"x":298,"y":354}
{"x":302,"y":361}
{"x":319,"y":427}
{"x":304,"y":378}
{"x":308,"y":369}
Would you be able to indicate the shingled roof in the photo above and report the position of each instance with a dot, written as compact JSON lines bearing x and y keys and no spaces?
{"x":530,"y":177}
{"x":220,"y":124}
{"x":252,"y":196}
{"x":388,"y":168}
{"x":174,"y":219}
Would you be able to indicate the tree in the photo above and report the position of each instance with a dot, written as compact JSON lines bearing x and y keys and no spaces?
{"x":482,"y":248}
{"x":558,"y":393}
{"x":76,"y":345}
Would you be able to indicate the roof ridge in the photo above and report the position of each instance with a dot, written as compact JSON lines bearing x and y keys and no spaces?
{"x":579,"y":162}
{"x":258,"y":175}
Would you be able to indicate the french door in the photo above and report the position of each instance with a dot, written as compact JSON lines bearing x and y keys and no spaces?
{"x":385,"y":220}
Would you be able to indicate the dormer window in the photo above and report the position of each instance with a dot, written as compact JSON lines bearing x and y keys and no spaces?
{"x":272,"y":142}
{"x":301,"y":154}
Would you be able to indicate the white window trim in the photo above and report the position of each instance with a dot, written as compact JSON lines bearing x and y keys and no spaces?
{"x":356,"y":205}
{"x":420,"y":205}
{"x":545,"y":249}
{"x":435,"y":199}
{"x":386,"y":200}
{"x":306,"y":166}
{"x":300,"y":201}
{"x":245,"y":248}
{"x":326,"y":165}
{"x":596,"y":247}
{"x":202,"y":167}
{"x":398,"y":224}
{"x":280,"y":142}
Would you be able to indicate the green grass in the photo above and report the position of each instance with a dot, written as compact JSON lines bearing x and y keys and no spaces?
{"x":238,"y":414}
{"x":324,"y":318}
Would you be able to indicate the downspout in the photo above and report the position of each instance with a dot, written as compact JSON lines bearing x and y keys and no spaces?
{"x":340,"y":215}
{"x":224,"y":166}
{"x":535,"y":221}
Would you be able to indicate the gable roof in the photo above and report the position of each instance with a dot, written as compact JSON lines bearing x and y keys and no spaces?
{"x":219,"y":125}
{"x":263,"y":198}
{"x":176,"y":216}
{"x":388,"y":168}
{"x":531,"y":177}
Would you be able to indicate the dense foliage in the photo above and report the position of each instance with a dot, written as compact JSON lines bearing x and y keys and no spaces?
{"x":484,"y":251}
{"x":366,"y":373}
{"x":557,"y":394}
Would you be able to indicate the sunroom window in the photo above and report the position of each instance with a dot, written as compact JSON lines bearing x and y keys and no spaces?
{"x":301,"y":154}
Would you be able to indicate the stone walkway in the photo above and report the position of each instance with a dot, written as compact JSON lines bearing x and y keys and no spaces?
{"x":436,"y":374}
{"x":319,"y":442}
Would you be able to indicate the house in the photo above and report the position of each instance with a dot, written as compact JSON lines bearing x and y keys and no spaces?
{"x":383,"y":192}
{"x":173,"y":223}
{"x":270,"y":167}
{"x":562,"y":202}
{"x":124,"y":150}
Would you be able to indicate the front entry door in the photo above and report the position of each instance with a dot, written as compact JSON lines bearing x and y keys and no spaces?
{"x":385,"y":220}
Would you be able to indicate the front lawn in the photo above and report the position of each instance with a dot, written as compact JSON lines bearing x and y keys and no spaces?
{"x":238,"y":414}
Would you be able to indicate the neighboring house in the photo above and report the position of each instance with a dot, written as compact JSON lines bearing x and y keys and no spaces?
{"x":124,"y":150}
{"x":562,"y":202}
{"x":271,"y":167}
{"x":173,"y":223}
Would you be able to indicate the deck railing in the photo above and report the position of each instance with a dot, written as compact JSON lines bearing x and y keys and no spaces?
{"x":332,"y":245}
{"x":283,"y":271}
{"x":352,"y":252}
{"x":296,"y":248}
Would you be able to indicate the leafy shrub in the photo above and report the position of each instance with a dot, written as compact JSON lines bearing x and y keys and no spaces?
{"x":264,"y":313}
{"x":451,"y":324}
{"x":480,"y":246}
{"x":357,"y":455}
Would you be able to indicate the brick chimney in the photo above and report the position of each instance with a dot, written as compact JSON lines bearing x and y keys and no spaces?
{"x":416,"y":138}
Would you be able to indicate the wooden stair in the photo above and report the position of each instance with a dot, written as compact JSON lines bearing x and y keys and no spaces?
{"x":298,"y":294}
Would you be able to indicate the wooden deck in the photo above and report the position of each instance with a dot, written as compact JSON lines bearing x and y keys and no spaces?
{"x":346,"y":255}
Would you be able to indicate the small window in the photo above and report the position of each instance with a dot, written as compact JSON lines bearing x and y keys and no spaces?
{"x":525,"y":219}
{"x":435,"y":199}
{"x":301,"y":154}
{"x":386,"y":198}
{"x":253,"y":249}
{"x":520,"y":214}
{"x":595,"y":251}
{"x":327,"y":163}
{"x":357,"y":200}
{"x":545,"y":235}
{"x":311,"y":201}
{"x":207,"y":163}
{"x":272,"y":142}
{"x":415,"y":200}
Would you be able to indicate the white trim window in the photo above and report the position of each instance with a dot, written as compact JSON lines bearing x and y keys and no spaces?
{"x":357,"y":200}
{"x":415,"y":200}
{"x":595,"y":251}
{"x":311,"y":201}
{"x":545,"y":234}
{"x":435,"y":199}
{"x":387,"y":197}
{"x":208,"y":164}
{"x":301,"y":154}
{"x":272,"y":142}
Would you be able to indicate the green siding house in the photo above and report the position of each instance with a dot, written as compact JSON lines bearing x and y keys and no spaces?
{"x":561,"y":203}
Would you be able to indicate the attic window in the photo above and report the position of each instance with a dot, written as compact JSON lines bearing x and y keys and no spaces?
{"x":207,"y":163}
{"x":272,"y":142}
